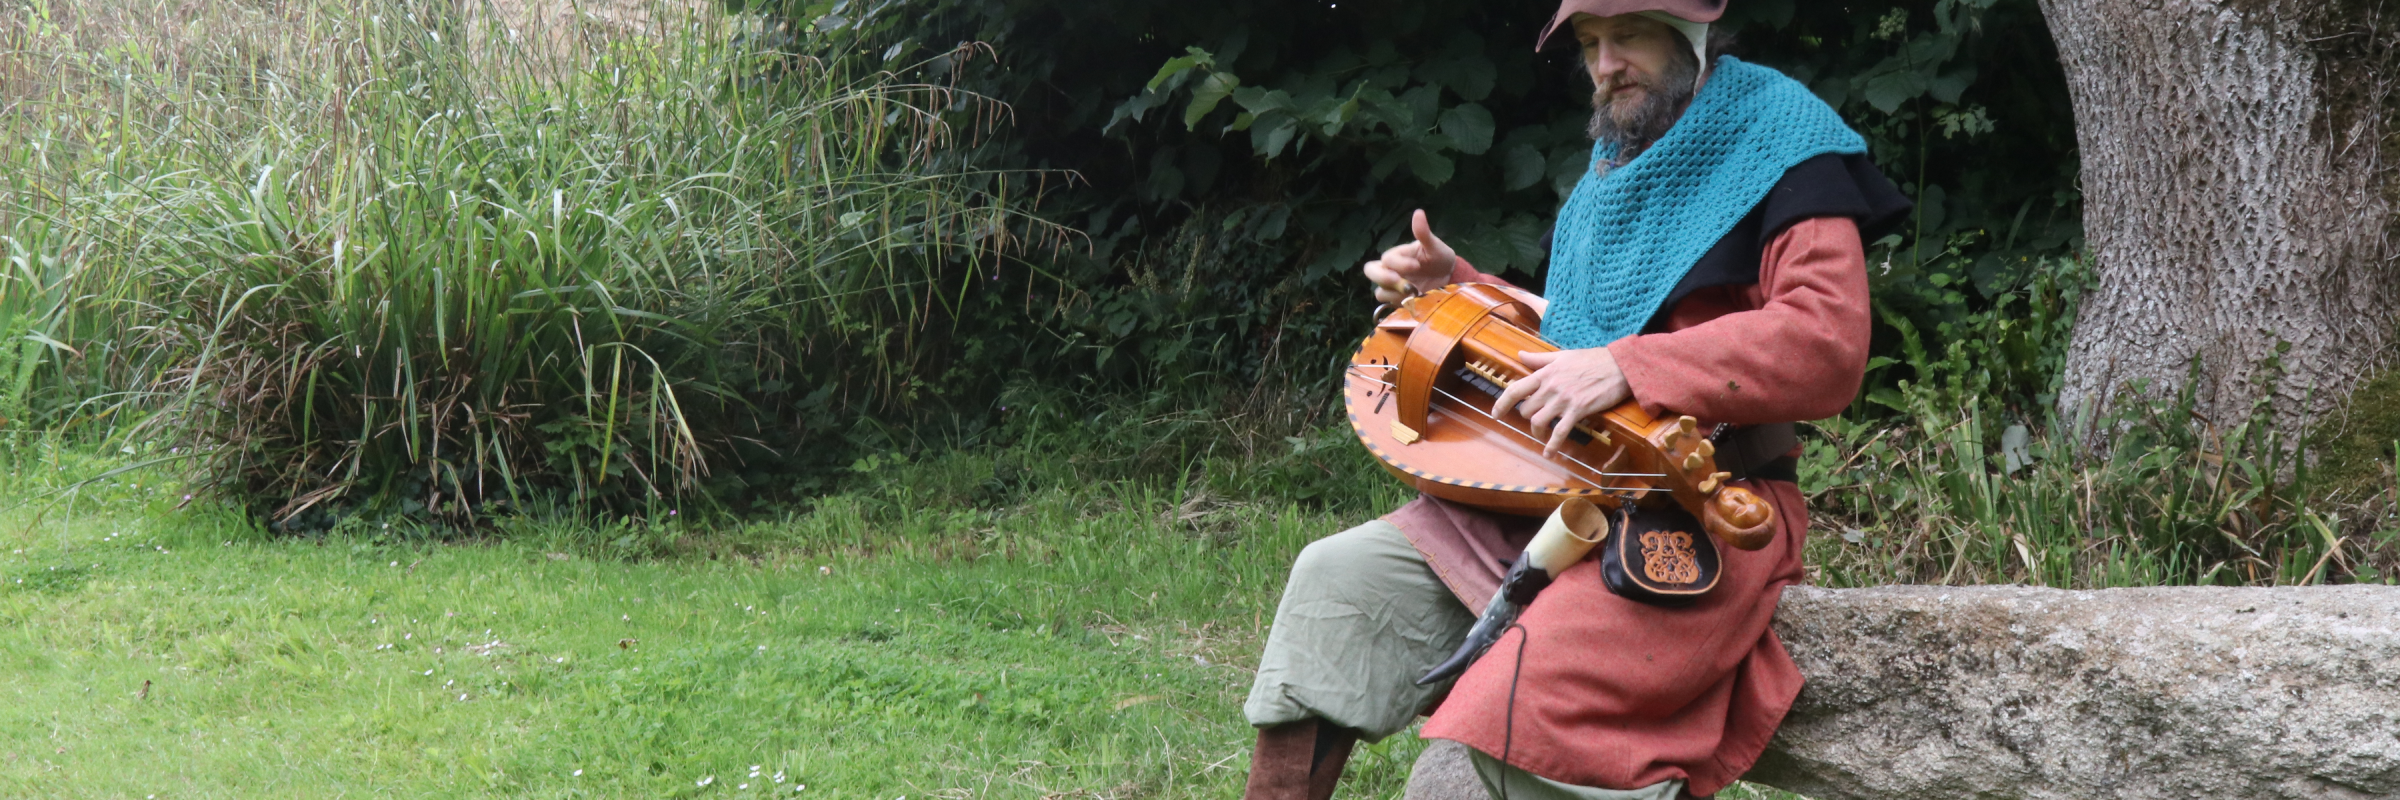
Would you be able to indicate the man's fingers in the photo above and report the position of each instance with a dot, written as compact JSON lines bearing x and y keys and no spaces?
{"x":1558,"y":437}
{"x":1539,"y":420}
{"x":1515,"y":393}
{"x":1551,"y":423}
{"x":1527,"y":386}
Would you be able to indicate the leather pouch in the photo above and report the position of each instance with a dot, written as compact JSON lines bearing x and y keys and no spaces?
{"x":1659,"y":555}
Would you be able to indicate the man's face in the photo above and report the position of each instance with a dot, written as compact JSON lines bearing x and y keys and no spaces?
{"x":1642,"y":76}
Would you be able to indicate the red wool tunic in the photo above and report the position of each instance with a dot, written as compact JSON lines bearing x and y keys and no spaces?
{"x":1622,"y":695}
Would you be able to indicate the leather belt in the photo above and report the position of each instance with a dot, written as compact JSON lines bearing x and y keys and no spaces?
{"x":1759,"y":452}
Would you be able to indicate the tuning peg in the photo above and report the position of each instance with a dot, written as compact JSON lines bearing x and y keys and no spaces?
{"x":1687,"y":424}
{"x":1707,"y":449}
{"x":1691,"y":462}
{"x":1668,"y":441}
{"x":1714,"y":482}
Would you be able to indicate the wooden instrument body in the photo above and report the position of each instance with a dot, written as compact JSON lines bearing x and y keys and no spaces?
{"x":1419,"y":393}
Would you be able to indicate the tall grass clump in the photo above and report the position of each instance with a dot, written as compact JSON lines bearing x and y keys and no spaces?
{"x":436,"y":260}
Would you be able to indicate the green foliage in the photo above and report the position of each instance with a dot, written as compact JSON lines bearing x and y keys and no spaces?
{"x":1240,"y":161}
{"x":2358,"y":448}
{"x":404,"y":262}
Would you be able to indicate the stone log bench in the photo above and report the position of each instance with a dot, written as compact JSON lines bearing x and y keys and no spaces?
{"x":1929,"y":693}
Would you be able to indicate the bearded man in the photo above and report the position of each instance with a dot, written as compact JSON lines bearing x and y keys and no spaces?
{"x":1710,"y":264}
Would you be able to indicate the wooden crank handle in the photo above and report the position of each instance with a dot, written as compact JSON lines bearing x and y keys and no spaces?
{"x":1739,"y":518}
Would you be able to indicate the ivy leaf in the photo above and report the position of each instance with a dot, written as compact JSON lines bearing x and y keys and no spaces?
{"x":1469,"y":128}
{"x":1523,"y":166}
{"x":1431,"y":167}
{"x":1205,"y":98}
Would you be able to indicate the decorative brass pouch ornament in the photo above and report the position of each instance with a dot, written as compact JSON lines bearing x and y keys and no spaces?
{"x":1659,"y":555}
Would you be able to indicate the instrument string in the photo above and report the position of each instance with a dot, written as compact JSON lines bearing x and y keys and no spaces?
{"x":1535,"y":439}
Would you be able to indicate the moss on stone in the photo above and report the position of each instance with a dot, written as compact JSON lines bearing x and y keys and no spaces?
{"x":2354,"y":448}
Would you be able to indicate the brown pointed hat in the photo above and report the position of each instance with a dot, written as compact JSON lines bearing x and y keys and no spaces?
{"x":1699,"y":11}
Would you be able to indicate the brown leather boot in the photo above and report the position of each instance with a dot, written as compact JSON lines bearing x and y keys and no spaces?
{"x":1330,"y":756}
{"x":1279,"y":766}
{"x":1298,"y":761}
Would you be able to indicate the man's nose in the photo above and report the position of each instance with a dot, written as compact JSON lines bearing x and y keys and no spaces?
{"x":1606,"y":62}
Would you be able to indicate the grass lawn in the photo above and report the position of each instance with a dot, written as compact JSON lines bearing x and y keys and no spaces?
{"x":1075,"y":644}
{"x":1068,"y":639}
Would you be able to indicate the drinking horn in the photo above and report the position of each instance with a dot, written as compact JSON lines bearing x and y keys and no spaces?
{"x":1564,"y":539}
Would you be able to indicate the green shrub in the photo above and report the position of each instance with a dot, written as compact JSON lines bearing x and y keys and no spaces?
{"x":405,"y":260}
{"x":1240,"y":160}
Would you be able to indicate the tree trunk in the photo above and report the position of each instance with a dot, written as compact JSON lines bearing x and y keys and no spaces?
{"x":2238,"y":200}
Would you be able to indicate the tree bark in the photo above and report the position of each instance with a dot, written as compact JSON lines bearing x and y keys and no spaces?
{"x":2238,"y":200}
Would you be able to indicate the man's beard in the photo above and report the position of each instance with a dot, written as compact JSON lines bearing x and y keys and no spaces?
{"x":1634,"y":129}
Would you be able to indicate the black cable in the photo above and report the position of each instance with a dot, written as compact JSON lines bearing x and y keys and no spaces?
{"x":1508,"y":730}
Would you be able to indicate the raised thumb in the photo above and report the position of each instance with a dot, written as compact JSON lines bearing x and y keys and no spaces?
{"x":1424,"y":232}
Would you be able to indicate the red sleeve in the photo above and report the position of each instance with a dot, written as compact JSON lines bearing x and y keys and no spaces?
{"x":1464,"y":272}
{"x":1797,"y":353}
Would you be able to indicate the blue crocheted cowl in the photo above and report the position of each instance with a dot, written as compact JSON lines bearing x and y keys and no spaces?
{"x":1628,"y":234}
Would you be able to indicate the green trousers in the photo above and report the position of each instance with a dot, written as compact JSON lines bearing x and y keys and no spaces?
{"x":1362,"y":617}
